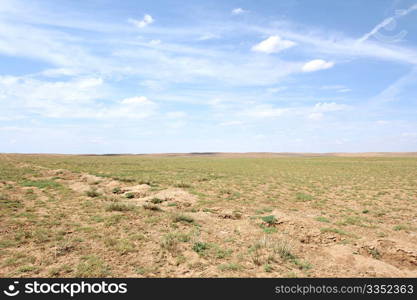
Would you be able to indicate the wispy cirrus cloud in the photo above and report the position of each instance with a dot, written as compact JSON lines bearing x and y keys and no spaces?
{"x":190,"y":73}
{"x":387,"y":23}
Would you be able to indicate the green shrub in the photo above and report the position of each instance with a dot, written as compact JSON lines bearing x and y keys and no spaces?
{"x":129,"y":195}
{"x":270,"y":220}
{"x":200,"y":247}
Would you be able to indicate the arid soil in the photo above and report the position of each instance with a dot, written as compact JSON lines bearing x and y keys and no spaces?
{"x":65,"y":223}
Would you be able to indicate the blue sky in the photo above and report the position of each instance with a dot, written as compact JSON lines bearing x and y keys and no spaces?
{"x":104,"y":76}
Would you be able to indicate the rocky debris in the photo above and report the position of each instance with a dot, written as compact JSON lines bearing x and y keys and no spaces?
{"x":230,"y":214}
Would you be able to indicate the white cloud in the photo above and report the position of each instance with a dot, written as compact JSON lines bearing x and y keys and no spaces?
{"x":155,"y":42}
{"x":76,"y":98}
{"x":90,"y":82}
{"x":337,"y":88}
{"x":176,"y":114}
{"x":208,"y":36}
{"x":136,"y":101}
{"x":56,"y":72}
{"x":231,"y":123}
{"x":346,"y":90}
{"x":273,"y":44}
{"x":238,"y":11}
{"x":263,"y":111}
{"x":147,"y":19}
{"x":317,"y":64}
{"x":316,"y":116}
{"x":139,"y":107}
{"x":338,"y":44}
{"x":152,"y":85}
{"x":317,"y":113}
{"x":276,"y":89}
{"x":331,"y":106}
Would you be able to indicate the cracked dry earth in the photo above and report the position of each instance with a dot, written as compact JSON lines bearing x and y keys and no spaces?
{"x":78,"y":224}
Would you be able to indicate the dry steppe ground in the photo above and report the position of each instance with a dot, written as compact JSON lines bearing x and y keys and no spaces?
{"x":209,"y":215}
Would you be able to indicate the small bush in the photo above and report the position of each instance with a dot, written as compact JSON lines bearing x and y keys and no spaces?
{"x":92,"y":193}
{"x":152,"y":207}
{"x":116,"y":190}
{"x":270,"y":220}
{"x":183,"y":218}
{"x":170,"y":242}
{"x":119,"y":207}
{"x":200,"y":247}
{"x":129,"y":195}
{"x":157,"y":200}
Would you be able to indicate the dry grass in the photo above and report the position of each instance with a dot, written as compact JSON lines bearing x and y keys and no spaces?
{"x":157,"y":216}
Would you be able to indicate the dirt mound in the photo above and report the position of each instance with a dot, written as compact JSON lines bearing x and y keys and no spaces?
{"x":401,"y":255}
{"x":353,"y":264}
{"x":137,"y":191}
{"x":174,"y":198}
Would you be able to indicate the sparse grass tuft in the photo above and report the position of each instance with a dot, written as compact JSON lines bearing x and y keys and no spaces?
{"x":92,"y":266}
{"x":92,"y":193}
{"x":230,"y":267}
{"x":400,"y":227}
{"x":302,"y":197}
{"x":117,"y":190}
{"x":270,"y":220}
{"x":183,"y":219}
{"x":41,"y":184}
{"x":200,"y":247}
{"x":157,"y":200}
{"x":120,"y":207}
{"x":152,"y":207}
{"x":323,"y":219}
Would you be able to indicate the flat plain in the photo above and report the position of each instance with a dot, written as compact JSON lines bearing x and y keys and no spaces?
{"x":209,"y":215}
